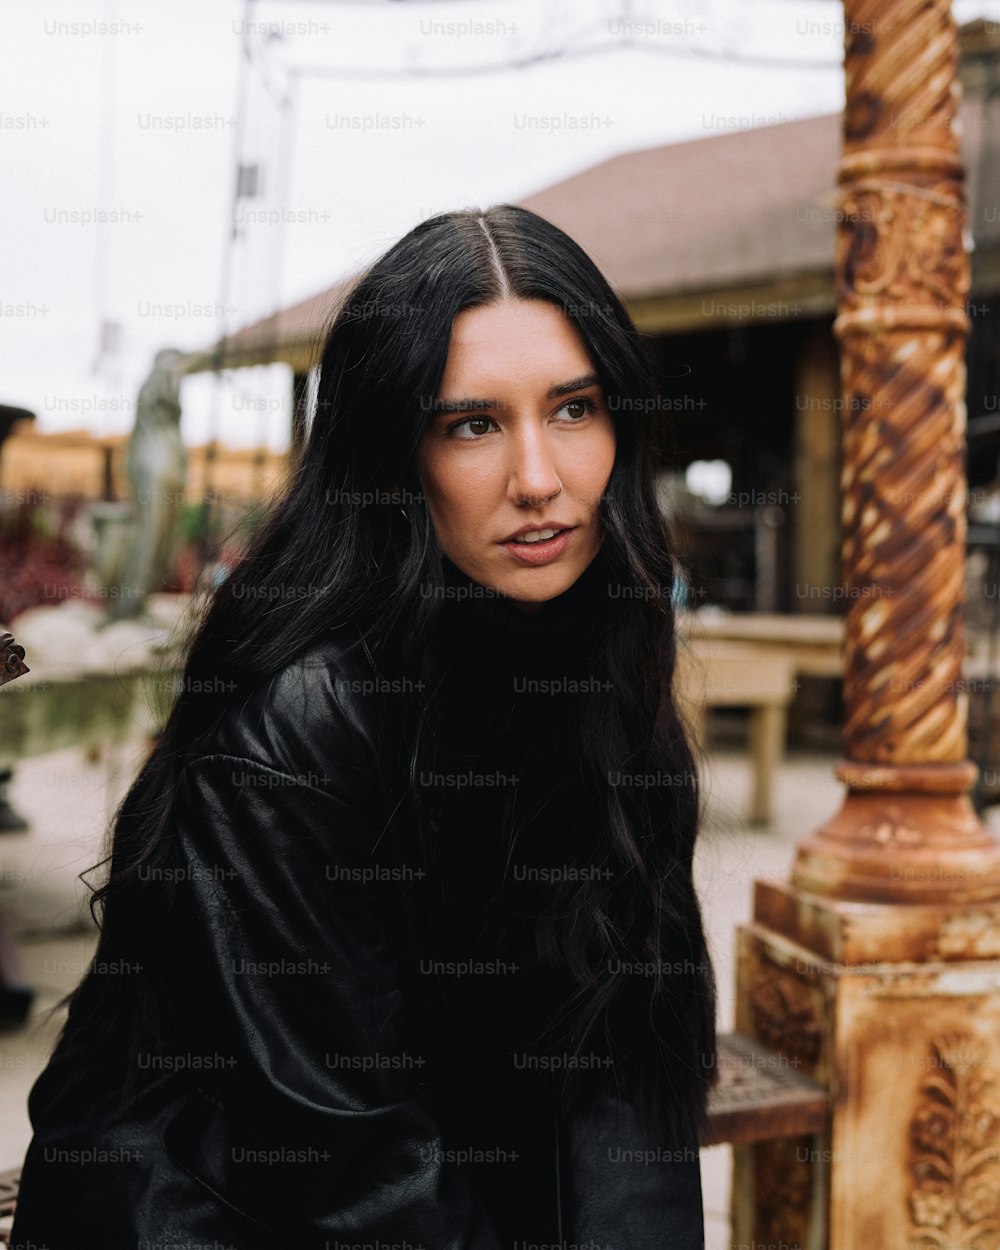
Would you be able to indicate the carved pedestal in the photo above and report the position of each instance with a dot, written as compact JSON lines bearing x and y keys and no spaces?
{"x":895,"y":1008}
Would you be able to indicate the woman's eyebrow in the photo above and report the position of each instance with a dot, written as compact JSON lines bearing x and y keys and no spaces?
{"x":463,"y":405}
{"x":578,"y":384}
{"x":488,"y":405}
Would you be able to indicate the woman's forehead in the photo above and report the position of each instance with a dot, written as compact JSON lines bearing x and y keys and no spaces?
{"x":524,"y":341}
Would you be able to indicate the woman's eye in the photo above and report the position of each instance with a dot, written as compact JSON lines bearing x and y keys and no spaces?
{"x":472,"y":428}
{"x":468,"y":423}
{"x":582,"y":406}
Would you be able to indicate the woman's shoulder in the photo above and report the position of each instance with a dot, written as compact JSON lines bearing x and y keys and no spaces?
{"x":321,"y":718}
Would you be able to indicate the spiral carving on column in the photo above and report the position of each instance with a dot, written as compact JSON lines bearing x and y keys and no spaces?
{"x":907,"y":830}
{"x":900,"y":66}
{"x":902,"y":275}
{"x":903,"y":493}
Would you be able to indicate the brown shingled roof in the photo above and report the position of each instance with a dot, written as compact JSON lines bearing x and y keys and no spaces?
{"x":688,"y":232}
{"x":721,"y":211}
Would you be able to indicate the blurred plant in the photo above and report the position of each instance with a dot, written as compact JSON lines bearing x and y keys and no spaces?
{"x":227,"y":533}
{"x":39,"y":561}
{"x":191,"y":522}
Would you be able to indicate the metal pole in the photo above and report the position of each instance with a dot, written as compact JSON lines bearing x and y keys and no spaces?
{"x":225,"y":291}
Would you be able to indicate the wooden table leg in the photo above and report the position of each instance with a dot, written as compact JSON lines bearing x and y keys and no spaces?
{"x":767,"y":743}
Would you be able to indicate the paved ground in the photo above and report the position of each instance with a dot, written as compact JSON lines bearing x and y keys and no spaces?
{"x":70,"y":800}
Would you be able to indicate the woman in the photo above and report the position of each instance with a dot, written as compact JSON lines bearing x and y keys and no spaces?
{"x":399,"y":942}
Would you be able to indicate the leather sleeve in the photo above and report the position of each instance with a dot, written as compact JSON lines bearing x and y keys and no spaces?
{"x":314,"y":1119}
{"x":622,"y":1194}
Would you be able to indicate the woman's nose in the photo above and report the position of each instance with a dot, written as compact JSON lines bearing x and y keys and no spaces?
{"x":531,"y":473}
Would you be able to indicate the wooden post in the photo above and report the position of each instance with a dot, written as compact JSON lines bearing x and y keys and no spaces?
{"x":817,"y":455}
{"x":877,"y":968}
{"x":902,"y":282}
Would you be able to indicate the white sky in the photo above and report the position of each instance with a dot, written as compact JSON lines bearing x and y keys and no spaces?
{"x":136,"y":120}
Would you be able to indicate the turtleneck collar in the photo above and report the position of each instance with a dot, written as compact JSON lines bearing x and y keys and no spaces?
{"x":581,"y":604}
{"x":510,"y":680}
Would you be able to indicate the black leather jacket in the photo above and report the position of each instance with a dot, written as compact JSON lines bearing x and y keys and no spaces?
{"x":337,"y":1068}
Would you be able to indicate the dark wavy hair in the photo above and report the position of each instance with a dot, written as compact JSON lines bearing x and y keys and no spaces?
{"x":385,"y":351}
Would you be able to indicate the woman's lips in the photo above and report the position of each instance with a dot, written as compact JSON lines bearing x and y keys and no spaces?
{"x":541,"y":552}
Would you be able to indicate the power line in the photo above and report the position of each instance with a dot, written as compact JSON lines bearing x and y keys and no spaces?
{"x":555,"y":54}
{"x":625,"y":17}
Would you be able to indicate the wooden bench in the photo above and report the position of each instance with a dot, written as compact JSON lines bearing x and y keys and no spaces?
{"x":720,"y":673}
{"x":814,"y":642}
{"x":761,"y":1097}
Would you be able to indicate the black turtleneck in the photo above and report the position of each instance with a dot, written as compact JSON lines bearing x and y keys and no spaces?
{"x":513,"y":822}
{"x":514,"y":678}
{"x":512,"y":829}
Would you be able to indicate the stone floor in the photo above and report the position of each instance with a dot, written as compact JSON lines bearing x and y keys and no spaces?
{"x":70,"y":800}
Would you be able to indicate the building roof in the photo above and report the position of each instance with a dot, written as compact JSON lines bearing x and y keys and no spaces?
{"x":714,"y":212}
{"x":723,"y":229}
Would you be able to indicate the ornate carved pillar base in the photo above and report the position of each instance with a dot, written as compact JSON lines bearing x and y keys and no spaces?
{"x":905,"y":833}
{"x":895,"y":1008}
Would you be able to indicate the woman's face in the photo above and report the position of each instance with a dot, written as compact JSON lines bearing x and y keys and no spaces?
{"x":521,"y":438}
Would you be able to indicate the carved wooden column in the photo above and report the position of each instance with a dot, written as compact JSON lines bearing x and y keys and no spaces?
{"x":903,"y":279}
{"x":876,"y":968}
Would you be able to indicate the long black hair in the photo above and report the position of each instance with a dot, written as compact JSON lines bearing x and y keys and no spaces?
{"x":334,"y":548}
